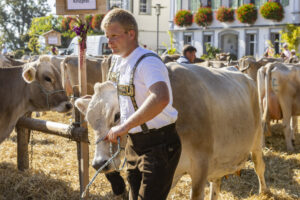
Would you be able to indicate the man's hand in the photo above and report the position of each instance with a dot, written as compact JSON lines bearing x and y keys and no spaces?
{"x":115,"y":132}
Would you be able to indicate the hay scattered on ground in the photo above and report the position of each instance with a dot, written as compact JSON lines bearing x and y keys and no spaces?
{"x":53,"y":173}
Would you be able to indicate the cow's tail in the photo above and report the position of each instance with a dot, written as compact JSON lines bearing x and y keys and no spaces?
{"x":267,"y":94}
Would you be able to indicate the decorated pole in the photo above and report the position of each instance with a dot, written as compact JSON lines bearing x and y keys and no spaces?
{"x":71,"y":7}
{"x":83,"y":147}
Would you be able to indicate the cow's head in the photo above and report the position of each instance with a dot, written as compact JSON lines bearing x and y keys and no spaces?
{"x":102,"y":112}
{"x":46,"y":92}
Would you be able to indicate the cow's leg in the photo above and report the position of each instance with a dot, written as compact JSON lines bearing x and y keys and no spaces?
{"x":199,"y":175}
{"x":286,"y":107}
{"x":287,"y":131}
{"x":294,"y":128}
{"x":257,"y":158}
{"x":215,"y":189}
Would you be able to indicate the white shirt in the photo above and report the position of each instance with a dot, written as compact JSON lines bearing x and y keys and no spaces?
{"x":149,"y":71}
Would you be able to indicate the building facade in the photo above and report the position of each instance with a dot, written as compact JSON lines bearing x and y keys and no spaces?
{"x":146,"y":17}
{"x":235,"y":37}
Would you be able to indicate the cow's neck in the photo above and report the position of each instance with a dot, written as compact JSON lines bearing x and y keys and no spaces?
{"x":15,"y":100}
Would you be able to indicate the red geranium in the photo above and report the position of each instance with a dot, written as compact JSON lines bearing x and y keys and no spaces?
{"x":183,"y":18}
{"x":203,"y":17}
{"x":96,"y":21}
{"x":224,"y":14}
{"x":247,"y":13}
{"x":272,"y":10}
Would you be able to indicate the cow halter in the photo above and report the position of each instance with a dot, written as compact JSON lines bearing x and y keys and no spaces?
{"x":48,"y":93}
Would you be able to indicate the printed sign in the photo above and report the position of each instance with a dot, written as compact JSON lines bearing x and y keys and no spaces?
{"x":52,"y":40}
{"x":81,"y":4}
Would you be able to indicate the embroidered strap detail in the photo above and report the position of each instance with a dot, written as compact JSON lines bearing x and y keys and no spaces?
{"x":129,"y":90}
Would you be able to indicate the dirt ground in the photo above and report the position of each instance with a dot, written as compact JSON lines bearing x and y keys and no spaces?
{"x":53,"y":173}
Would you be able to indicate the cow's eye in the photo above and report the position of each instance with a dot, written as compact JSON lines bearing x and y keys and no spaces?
{"x":47,"y":79}
{"x":117,"y":117}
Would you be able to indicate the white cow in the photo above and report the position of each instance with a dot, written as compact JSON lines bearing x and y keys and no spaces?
{"x":279,"y":95}
{"x":219,"y":124}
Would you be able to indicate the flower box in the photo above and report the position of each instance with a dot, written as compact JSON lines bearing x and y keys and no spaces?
{"x":224,"y":14}
{"x":247,"y":13}
{"x":183,"y":18}
{"x":272,"y":10}
{"x":204,"y":16}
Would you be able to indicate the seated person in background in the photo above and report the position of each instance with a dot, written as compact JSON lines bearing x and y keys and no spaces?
{"x":188,"y":55}
{"x":294,"y":58}
{"x":269,"y":53}
{"x":285,"y":54}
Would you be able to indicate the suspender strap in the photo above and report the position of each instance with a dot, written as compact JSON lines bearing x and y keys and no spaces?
{"x":131,"y":85}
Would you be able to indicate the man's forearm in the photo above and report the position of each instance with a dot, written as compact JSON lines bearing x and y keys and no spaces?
{"x":152,"y":106}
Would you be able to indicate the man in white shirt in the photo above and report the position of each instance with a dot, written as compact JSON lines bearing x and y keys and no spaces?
{"x":146,"y":113}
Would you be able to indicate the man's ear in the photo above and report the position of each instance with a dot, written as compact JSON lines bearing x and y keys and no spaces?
{"x":29,"y":73}
{"x":83,"y":103}
{"x":132,"y":34}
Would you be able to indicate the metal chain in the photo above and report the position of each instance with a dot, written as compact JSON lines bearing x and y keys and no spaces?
{"x":102,"y":167}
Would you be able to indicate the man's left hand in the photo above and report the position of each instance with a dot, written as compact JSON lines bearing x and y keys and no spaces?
{"x":115,"y":132}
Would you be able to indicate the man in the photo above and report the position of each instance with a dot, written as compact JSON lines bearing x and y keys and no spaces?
{"x":146,"y":114}
{"x":188,"y":55}
{"x":294,"y":58}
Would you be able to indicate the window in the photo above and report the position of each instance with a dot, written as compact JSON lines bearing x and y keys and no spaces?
{"x":235,"y":3}
{"x":215,"y":4}
{"x":187,"y":38}
{"x":178,"y":5}
{"x":250,"y":44}
{"x":194,"y":5}
{"x":145,"y":7}
{"x":275,"y":39}
{"x":207,"y":38}
{"x":115,"y":4}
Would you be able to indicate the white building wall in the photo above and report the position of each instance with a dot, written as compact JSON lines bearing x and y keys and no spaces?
{"x":148,"y":24}
{"x":262,"y":27}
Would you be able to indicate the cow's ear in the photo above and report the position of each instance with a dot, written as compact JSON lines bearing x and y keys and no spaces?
{"x":29,"y":73}
{"x":83,"y":103}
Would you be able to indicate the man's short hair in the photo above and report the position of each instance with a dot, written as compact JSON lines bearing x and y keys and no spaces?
{"x":123,"y":17}
{"x":188,"y":48}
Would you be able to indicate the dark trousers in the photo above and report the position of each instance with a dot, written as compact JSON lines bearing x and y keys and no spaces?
{"x":152,"y":159}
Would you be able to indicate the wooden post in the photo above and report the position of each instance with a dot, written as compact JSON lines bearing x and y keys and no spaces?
{"x":84,"y":146}
{"x":23,"y":136}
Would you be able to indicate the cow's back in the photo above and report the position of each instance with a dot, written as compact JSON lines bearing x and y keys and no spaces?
{"x":220,"y":118}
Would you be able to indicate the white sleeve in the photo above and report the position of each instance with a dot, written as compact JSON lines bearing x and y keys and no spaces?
{"x":152,"y":70}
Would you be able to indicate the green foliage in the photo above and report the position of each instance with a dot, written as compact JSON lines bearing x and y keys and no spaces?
{"x":211,"y":52}
{"x":96,"y":21}
{"x":34,"y":45}
{"x":203,"y":16}
{"x":183,"y":18}
{"x":272,"y":10}
{"x":16,"y":17}
{"x":247,"y":13}
{"x":171,"y":50}
{"x":19,"y":53}
{"x":291,"y":36}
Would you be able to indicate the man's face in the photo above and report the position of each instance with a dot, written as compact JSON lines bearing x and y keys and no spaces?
{"x":191,"y":56}
{"x":119,"y":40}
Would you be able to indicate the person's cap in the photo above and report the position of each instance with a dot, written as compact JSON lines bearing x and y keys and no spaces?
{"x":293,"y":51}
{"x":284,"y":45}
